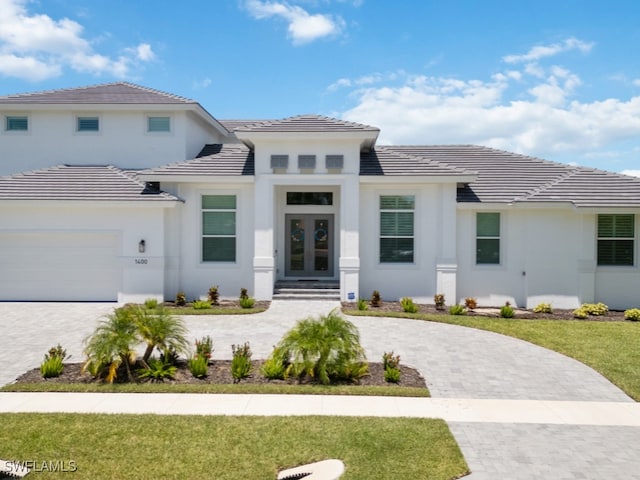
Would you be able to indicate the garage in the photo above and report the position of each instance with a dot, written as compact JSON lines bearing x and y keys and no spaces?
{"x":59,"y":266}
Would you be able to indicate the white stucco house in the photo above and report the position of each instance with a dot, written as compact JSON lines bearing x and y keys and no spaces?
{"x":118,"y":192}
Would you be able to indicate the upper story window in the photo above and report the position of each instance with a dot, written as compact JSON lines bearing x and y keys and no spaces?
{"x":218,"y":228}
{"x":487,"y":238}
{"x":396,"y":228}
{"x":16,"y":123}
{"x":616,"y":239}
{"x":87,"y":124}
{"x":158,"y":124}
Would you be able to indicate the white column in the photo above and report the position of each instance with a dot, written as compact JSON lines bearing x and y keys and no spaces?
{"x":263,"y":258}
{"x":349,"y":262}
{"x":446,"y":263}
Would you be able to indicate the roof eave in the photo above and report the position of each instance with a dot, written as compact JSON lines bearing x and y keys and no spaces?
{"x":422,"y":179}
{"x":195,"y":178}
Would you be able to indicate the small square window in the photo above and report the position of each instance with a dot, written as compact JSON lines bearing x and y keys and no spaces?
{"x":88,"y":124}
{"x":158,"y":124}
{"x":16,"y":123}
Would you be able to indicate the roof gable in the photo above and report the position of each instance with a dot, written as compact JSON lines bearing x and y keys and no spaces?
{"x":213,"y":160}
{"x":306,"y":123}
{"x":383,"y":161}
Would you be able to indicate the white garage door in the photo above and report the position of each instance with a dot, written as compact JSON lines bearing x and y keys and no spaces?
{"x":59,"y":266}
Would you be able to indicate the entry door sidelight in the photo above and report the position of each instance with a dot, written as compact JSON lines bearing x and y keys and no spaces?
{"x":309,"y":245}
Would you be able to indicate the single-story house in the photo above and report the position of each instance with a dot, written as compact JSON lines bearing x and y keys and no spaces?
{"x":118,"y":192}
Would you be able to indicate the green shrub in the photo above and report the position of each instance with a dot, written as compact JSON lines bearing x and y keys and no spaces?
{"x":241,"y":362}
{"x":181,"y":299}
{"x":580,"y":313}
{"x":324,"y":348}
{"x":150,"y":303}
{"x":214,"y":295}
{"x":199,"y":366}
{"x":438,"y":299}
{"x":392,"y":375}
{"x":56,"y":352}
{"x":51,"y":367}
{"x":247,"y":302}
{"x":389,"y":360}
{"x":457,"y":310}
{"x":376,"y":299}
{"x":408,"y":305}
{"x":204,"y":347}
{"x":471,"y":303}
{"x":507,"y":311}
{"x":202,"y":305}
{"x":543,"y":308}
{"x":276,"y":366}
{"x":632,"y":314}
{"x":362,"y":304}
{"x":157,"y":370}
{"x":596,"y":309}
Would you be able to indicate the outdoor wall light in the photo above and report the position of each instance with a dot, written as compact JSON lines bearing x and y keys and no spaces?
{"x":142,"y":246}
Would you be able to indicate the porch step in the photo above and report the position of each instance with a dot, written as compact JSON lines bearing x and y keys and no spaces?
{"x":307,"y":290}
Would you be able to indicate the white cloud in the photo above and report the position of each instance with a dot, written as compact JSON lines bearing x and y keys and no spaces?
{"x":303,"y":27}
{"x":633,"y":173}
{"x":35,"y":47}
{"x":200,"y":84}
{"x":636,"y":82}
{"x":542,"y":51}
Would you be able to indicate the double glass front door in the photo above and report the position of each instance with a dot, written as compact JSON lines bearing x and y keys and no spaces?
{"x":309,"y":245}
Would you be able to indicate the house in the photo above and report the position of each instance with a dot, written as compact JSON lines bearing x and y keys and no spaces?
{"x":118,"y":192}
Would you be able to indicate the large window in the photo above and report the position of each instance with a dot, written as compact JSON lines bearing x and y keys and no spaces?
{"x":16,"y":123}
{"x":487,"y":238}
{"x":396,"y":228}
{"x":218,"y":228}
{"x":616,"y":239}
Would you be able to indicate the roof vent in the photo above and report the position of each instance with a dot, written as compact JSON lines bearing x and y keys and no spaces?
{"x":151,"y":188}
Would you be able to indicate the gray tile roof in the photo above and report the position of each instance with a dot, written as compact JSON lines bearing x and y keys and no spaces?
{"x":231,"y":125}
{"x":108,"y":93}
{"x":506,"y":177}
{"x":215,"y":159}
{"x":86,"y":183}
{"x":306,"y":123}
{"x":384,"y":161}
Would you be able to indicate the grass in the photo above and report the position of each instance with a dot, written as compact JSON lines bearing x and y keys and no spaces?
{"x":390,"y":391}
{"x":152,"y":446}
{"x":611,"y":348}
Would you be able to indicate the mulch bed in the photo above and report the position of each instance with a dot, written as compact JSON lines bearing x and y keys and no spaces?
{"x":220,"y":373}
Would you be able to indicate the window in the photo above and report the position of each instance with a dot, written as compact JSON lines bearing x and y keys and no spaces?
{"x":616,"y":239}
{"x":88,"y":124}
{"x":16,"y":123}
{"x":396,"y":228}
{"x":158,"y":124}
{"x":487,"y":238}
{"x":309,"y":198}
{"x":218,"y":228}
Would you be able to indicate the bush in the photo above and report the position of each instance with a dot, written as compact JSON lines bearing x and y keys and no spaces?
{"x":596,"y":309}
{"x":632,"y":314}
{"x":51,"y":367}
{"x":241,"y":362}
{"x":580,"y":313}
{"x":243,"y":293}
{"x":214,"y":295}
{"x":507,"y":311}
{"x":392,"y":375}
{"x":202,"y":305}
{"x":376,"y":299}
{"x":543,"y":308}
{"x":157,"y":370}
{"x":408,"y":305}
{"x":457,"y":310}
{"x":389,"y":360}
{"x":150,"y":303}
{"x":362,"y":304}
{"x":470,"y":303}
{"x":247,"y":302}
{"x":325,"y":348}
{"x":198,"y":366}
{"x":204,"y":347}
{"x":181,"y":299}
{"x":276,"y":366}
{"x":438,"y":299}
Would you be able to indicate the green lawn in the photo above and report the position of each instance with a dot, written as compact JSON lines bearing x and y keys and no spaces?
{"x":193,"y":447}
{"x":611,"y":348}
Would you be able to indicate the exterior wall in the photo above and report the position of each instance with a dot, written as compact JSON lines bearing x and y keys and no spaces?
{"x":122,"y":141}
{"x":434,"y":267}
{"x":141,"y":273}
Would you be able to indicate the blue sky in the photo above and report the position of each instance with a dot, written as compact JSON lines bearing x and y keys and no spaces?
{"x":555,"y":79}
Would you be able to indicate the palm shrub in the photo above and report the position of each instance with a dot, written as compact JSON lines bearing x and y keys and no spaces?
{"x":408,"y":305}
{"x":325,"y":347}
{"x":112,"y":346}
{"x":181,"y":299}
{"x":241,"y":362}
{"x":438,"y":300}
{"x":276,"y":366}
{"x":157,"y":370}
{"x":214,"y":295}
{"x":159,"y":329}
{"x":376,"y":299}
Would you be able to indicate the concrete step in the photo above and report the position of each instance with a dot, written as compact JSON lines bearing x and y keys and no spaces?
{"x":294,"y":290}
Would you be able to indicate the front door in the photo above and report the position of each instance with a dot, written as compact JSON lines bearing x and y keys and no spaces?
{"x":309,"y":245}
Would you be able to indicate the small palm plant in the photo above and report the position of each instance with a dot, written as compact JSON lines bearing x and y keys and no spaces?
{"x":325,"y":347}
{"x":159,"y":329}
